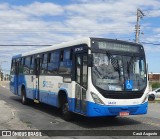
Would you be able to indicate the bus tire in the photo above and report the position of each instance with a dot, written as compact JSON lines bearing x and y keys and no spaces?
{"x":66,"y":114}
{"x":151,"y":97}
{"x":23,"y":96}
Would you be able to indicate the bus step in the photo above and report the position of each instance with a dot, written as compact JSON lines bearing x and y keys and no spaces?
{"x":36,"y":101}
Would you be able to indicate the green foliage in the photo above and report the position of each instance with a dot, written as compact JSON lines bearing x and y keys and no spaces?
{"x":156,"y":85}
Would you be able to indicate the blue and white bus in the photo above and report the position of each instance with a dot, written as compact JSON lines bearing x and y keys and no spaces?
{"x":91,"y":76}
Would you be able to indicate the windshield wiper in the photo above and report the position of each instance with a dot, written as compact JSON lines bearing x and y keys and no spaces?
{"x":114,"y":62}
{"x":129,"y":65}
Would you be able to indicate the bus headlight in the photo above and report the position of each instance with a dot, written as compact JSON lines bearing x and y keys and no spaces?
{"x":145,"y":99}
{"x":96,"y":99}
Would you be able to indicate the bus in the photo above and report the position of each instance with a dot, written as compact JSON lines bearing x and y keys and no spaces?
{"x":93,"y":77}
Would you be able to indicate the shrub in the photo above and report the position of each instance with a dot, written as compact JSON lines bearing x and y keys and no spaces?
{"x":155,"y":85}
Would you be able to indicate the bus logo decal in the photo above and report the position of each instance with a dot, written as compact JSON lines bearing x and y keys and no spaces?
{"x":48,"y":84}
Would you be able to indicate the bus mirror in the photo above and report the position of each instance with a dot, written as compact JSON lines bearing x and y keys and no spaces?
{"x":90,"y":60}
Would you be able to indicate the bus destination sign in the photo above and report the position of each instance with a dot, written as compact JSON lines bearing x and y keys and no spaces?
{"x":117,"y":47}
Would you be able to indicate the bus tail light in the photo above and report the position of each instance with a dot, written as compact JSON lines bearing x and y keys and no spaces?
{"x":96,"y":99}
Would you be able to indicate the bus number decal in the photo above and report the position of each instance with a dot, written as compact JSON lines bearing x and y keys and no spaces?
{"x":79,"y":49}
{"x":112,"y":102}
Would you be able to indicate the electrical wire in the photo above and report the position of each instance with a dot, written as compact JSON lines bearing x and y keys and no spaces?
{"x":150,"y":43}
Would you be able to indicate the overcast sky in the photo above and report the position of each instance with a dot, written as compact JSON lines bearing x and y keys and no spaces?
{"x":55,"y":21}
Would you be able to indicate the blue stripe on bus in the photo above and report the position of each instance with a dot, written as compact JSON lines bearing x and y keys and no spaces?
{"x":50,"y":98}
{"x":94,"y":110}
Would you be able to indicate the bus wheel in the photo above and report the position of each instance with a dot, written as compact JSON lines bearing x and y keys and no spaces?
{"x":151,"y":97}
{"x":23,"y":95}
{"x":66,"y":114}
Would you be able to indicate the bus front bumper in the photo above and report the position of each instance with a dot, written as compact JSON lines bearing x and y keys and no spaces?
{"x":96,"y":110}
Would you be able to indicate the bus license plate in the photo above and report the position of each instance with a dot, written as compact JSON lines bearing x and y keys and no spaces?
{"x":124,"y":113}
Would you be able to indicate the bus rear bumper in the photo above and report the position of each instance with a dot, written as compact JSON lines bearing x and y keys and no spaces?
{"x":96,"y":110}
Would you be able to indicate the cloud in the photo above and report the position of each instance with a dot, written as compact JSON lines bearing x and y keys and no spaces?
{"x":50,"y":23}
{"x":157,"y":30}
{"x":150,"y":48}
{"x":41,"y":9}
{"x":96,"y":18}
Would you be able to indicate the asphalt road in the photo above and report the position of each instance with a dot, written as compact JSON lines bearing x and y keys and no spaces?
{"x":45,"y":117}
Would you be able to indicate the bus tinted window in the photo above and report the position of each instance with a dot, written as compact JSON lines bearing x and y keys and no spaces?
{"x":32,"y":65}
{"x":44,"y":63}
{"x":62,"y":55}
{"x":26,"y":65}
{"x":66,"y":63}
{"x":13,"y":67}
{"x":53,"y":62}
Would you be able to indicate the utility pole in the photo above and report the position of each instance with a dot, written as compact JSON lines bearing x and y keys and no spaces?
{"x":140,"y":15}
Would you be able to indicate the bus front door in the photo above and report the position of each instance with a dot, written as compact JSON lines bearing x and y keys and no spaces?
{"x":81,"y":83}
{"x":36,"y":80}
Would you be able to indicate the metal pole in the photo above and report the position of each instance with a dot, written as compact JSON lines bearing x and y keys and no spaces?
{"x":137,"y":27}
{"x":140,"y":14}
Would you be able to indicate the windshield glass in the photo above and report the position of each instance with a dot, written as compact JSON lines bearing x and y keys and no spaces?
{"x":118,"y":73}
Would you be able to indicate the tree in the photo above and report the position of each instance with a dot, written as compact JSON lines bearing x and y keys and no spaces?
{"x":1,"y":76}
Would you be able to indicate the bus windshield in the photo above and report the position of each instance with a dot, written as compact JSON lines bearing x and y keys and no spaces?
{"x":118,"y":73}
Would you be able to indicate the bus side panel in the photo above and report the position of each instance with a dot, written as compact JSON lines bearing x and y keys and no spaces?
{"x":28,"y":82}
{"x":25,"y":80}
{"x":71,"y":104}
{"x":48,"y":89}
{"x":21,"y":81}
{"x":13,"y":84}
{"x":49,"y":86}
{"x":67,"y":88}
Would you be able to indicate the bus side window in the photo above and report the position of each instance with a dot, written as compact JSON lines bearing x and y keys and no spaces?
{"x":44,"y":64}
{"x":61,"y":55}
{"x":53,"y":62}
{"x":66,"y":62}
{"x":20,"y":66}
{"x":27,"y":65}
{"x":32,"y":65}
{"x":71,"y":54}
{"x":13,"y":67}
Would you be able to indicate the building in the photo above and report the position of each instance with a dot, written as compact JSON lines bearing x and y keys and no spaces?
{"x":153,"y":78}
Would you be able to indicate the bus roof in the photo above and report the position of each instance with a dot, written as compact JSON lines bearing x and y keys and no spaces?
{"x":61,"y":45}
{"x":17,"y":56}
{"x":64,"y":45}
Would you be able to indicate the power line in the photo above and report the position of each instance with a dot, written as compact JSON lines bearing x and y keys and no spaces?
{"x":150,"y":43}
{"x":24,"y":45}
